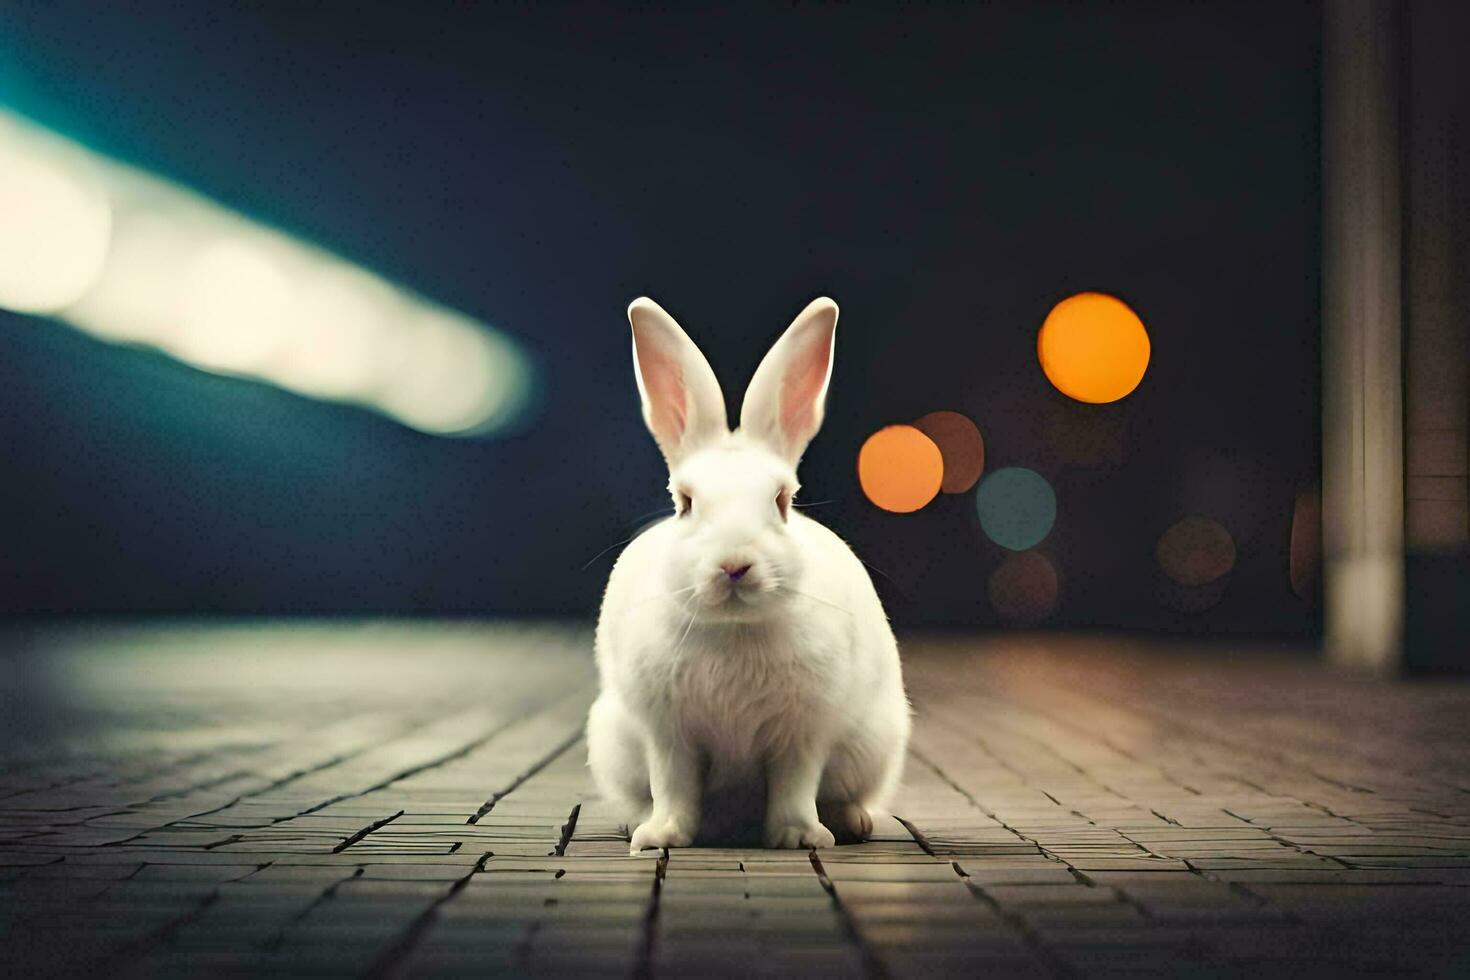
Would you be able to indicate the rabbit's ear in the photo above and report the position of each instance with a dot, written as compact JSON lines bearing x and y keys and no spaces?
{"x":682,"y":403}
{"x":784,"y":403}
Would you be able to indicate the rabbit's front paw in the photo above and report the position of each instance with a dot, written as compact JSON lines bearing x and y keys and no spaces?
{"x":661,"y":831}
{"x":799,"y":835}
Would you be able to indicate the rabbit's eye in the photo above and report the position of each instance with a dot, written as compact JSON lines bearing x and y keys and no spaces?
{"x":783,"y":503}
{"x":684,"y":502}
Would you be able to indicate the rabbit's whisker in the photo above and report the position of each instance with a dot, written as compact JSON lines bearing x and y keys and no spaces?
{"x":685,"y":607}
{"x":880,"y":572}
{"x":807,"y":595}
{"x":639,"y":521}
{"x":663,"y":595}
{"x":687,"y":630}
{"x":604,"y":551}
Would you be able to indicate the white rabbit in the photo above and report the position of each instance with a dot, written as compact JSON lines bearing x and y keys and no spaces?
{"x":741,"y":645}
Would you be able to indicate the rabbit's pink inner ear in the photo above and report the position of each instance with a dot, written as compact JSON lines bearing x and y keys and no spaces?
{"x":783,"y":404}
{"x":667,"y":408}
{"x":803,"y":390}
{"x":682,"y":404}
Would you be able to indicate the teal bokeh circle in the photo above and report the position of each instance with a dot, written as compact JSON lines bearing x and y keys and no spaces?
{"x":1017,"y":507}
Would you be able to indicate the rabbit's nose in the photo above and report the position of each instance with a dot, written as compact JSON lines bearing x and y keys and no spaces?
{"x":734,"y":572}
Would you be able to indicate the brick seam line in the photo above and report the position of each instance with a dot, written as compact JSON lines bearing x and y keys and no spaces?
{"x":1164,"y":774}
{"x":540,"y":764}
{"x":1025,"y":930}
{"x":1301,"y":761}
{"x":422,"y":767}
{"x":365,"y":831}
{"x":1280,"y":758}
{"x":873,"y":964}
{"x":405,"y":774}
{"x":344,"y":757}
{"x":1022,"y":928}
{"x":999,"y":758}
{"x":144,"y":945}
{"x":648,"y":937}
{"x":159,"y":772}
{"x":1195,"y":732}
{"x":979,"y":806}
{"x":568,"y":831}
{"x":399,"y":949}
{"x":1018,"y":925}
{"x":327,"y":894}
{"x":203,"y":784}
{"x":434,"y":763}
{"x":276,"y":784}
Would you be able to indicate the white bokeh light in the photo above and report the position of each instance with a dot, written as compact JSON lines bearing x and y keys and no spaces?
{"x":233,"y":316}
{"x":136,"y":299}
{"x":55,"y":221}
{"x":338,"y":322}
{"x":134,"y":259}
{"x":459,"y":381}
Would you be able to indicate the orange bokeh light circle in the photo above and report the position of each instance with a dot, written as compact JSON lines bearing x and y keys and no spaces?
{"x":1093,"y":348}
{"x":900,"y":469}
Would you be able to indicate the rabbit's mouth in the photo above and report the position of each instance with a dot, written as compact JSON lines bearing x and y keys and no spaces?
{"x":744,"y":599}
{"x":733,"y":593}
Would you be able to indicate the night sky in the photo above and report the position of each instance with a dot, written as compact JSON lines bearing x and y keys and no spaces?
{"x":947,"y":175}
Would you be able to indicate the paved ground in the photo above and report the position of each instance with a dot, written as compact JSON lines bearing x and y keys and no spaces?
{"x":411,"y":800}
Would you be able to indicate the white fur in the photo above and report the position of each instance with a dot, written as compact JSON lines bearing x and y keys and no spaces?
{"x":788,"y":678}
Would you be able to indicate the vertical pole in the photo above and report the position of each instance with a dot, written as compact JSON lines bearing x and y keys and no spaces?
{"x":1362,"y":379}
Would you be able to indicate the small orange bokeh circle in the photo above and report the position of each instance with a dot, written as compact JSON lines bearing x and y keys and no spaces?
{"x":1093,"y":348}
{"x":900,"y":469}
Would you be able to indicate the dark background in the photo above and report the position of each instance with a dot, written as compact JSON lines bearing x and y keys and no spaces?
{"x":946,"y":174}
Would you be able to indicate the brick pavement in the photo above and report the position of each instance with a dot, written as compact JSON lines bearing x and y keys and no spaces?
{"x":411,"y":799}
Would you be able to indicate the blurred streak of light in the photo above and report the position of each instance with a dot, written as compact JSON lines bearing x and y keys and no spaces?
{"x":900,"y":469}
{"x":961,"y":445}
{"x":1196,"y":551}
{"x":1017,"y":507}
{"x":1306,"y":544}
{"x":131,"y":258}
{"x":96,"y":667}
{"x":466,"y":378}
{"x":234,"y":308}
{"x":1025,"y":587}
{"x":341,"y":318}
{"x":55,"y":220}
{"x":1093,"y":348}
